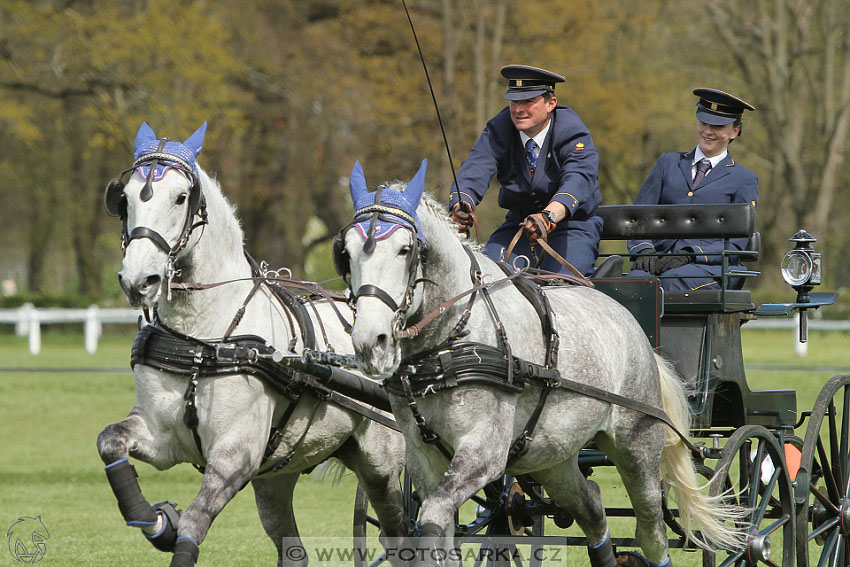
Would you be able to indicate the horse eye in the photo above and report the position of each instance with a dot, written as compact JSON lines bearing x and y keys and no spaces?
{"x":405,"y":250}
{"x":181,"y":198}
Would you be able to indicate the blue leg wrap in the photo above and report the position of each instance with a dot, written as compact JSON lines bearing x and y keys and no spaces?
{"x":134,"y":508}
{"x":666,"y":563}
{"x":602,"y":554}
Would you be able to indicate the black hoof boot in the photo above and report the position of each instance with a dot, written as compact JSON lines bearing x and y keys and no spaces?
{"x":166,"y":537}
{"x":185,"y":552}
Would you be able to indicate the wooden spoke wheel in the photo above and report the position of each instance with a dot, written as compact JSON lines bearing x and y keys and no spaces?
{"x":511,"y":515}
{"x":752,"y":474}
{"x":822,"y":490}
{"x":488,"y":530}
{"x":366,"y":525}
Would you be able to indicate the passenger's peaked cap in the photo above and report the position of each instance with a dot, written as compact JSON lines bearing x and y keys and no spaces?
{"x":526,"y":82}
{"x":717,"y":107}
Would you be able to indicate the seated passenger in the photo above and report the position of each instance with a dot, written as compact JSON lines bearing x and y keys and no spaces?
{"x":544,"y":158}
{"x":707,"y":174}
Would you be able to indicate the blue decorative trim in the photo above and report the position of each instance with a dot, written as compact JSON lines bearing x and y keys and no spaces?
{"x":164,"y":527}
{"x":109,"y":466}
{"x":188,"y":538}
{"x":665,"y":563}
{"x":140,"y":523}
{"x":603,"y":542}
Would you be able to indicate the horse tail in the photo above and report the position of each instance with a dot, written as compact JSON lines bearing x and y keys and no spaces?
{"x":709,"y":513}
{"x":332,"y":469}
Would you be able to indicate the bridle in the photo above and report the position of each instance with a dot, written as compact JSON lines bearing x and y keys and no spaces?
{"x":416,"y":258}
{"x":116,"y":206}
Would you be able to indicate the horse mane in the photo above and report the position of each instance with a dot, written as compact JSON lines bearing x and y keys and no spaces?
{"x":435,"y":208}
{"x":212,"y":192}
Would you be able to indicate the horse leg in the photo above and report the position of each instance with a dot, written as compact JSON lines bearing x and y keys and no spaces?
{"x":227,"y":471}
{"x":471,"y":468}
{"x":274,"y":504}
{"x":568,"y":487}
{"x":637,"y":456}
{"x":376,"y":457}
{"x":116,"y":443}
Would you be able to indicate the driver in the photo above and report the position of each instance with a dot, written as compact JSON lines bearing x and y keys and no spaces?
{"x":544,"y":158}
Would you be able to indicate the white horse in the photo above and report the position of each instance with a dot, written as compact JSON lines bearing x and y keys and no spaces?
{"x":179,"y":225}
{"x":413,"y":267}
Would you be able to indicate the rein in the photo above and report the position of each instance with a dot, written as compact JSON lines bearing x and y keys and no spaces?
{"x":480,"y":284}
{"x":549,"y":250}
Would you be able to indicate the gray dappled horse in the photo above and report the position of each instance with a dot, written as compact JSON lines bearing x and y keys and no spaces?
{"x":179,"y":225}
{"x":441,"y":349}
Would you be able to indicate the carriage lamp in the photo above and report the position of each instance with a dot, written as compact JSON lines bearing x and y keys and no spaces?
{"x":801,"y":268}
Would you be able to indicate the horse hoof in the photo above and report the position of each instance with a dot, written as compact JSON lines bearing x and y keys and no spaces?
{"x":166,"y":538}
{"x":631,"y":559}
{"x":431,"y":530}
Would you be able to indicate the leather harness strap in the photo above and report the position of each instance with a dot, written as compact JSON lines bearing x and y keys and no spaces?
{"x":466,"y":364}
{"x":549,"y":250}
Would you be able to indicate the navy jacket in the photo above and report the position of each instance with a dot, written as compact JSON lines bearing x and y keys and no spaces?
{"x":566,"y":172}
{"x":670,"y":183}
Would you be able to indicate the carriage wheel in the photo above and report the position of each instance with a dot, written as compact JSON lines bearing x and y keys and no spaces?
{"x":752,"y":474}
{"x":822,"y":490}
{"x":498,"y":513}
{"x":363,"y":556}
{"x":504,"y":513}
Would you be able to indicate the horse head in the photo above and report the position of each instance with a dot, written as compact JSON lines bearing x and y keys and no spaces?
{"x":160,"y":206}
{"x":379,"y":254}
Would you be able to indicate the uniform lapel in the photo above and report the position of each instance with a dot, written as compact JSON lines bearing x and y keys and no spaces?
{"x":721,"y":170}
{"x":522,"y":163}
{"x":685,"y":165}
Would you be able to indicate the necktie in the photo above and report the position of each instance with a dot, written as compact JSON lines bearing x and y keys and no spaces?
{"x":702,"y":168}
{"x":530,"y":156}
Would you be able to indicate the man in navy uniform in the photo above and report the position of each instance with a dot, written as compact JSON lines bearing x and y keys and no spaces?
{"x":707,"y":174}
{"x":544,"y":158}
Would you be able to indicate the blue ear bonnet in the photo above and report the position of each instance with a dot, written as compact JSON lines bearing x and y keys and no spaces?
{"x":171,"y":154}
{"x":396,"y":208}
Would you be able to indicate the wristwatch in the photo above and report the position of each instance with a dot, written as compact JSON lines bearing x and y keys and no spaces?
{"x":551,"y":216}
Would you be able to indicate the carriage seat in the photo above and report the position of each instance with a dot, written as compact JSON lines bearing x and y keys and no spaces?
{"x":731,"y":220}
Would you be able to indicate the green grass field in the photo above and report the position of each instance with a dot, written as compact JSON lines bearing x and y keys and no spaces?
{"x":49,"y":421}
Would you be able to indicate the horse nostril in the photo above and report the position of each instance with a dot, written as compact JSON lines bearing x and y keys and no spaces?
{"x":381,"y":341}
{"x":151,"y":281}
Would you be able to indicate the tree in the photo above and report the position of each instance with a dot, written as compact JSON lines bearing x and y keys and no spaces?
{"x":795,"y":57}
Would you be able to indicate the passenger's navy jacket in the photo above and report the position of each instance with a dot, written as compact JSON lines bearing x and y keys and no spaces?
{"x":670,"y":183}
{"x":566,"y":172}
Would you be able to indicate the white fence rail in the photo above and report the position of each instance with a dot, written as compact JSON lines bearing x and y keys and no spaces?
{"x":29,"y":319}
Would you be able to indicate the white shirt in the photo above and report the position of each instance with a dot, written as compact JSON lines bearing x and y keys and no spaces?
{"x":699,"y":156}
{"x":538,"y":139}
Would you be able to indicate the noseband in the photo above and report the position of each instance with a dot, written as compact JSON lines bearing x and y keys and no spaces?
{"x":116,"y":206}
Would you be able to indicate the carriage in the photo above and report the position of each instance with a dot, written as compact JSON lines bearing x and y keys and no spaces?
{"x":789,"y":471}
{"x":791,"y":491}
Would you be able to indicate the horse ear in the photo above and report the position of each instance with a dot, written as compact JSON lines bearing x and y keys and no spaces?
{"x":196,"y":141}
{"x":413,"y":191}
{"x":357,"y":183}
{"x":144,"y":136}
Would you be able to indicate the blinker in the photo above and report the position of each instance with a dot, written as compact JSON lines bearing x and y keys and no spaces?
{"x":113,"y":196}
